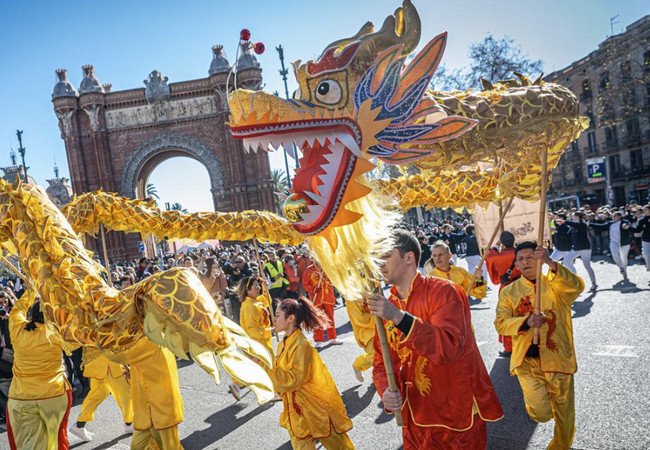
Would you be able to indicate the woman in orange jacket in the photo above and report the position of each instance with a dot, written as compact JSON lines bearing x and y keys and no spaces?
{"x":313,"y":408}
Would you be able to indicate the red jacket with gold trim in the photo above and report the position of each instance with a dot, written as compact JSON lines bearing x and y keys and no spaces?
{"x":437,"y":365}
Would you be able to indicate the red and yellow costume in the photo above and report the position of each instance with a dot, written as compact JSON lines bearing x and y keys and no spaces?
{"x":40,"y":395}
{"x":313,"y":408}
{"x":321,"y":293}
{"x":545,"y":372}
{"x":462,"y":278}
{"x":254,"y":318}
{"x":156,"y":396}
{"x":106,"y":378}
{"x":447,"y":391}
{"x":363,"y":326}
{"x":498,"y":264}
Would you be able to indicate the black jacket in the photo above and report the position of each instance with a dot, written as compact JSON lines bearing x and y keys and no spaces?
{"x":625,"y":234}
{"x":580,"y":236}
{"x":562,"y":238}
{"x":471,"y":245}
{"x":643,"y":227}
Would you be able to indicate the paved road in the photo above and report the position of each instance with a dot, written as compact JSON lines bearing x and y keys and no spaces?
{"x":612,"y":386}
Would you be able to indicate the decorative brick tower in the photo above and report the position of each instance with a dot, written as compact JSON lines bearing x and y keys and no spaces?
{"x":115,"y":139}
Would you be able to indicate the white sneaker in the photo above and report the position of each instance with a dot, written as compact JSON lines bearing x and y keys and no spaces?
{"x":81,"y":433}
{"x":128,"y":429}
{"x":319,"y":345}
{"x":335,"y":342}
{"x":358,"y":375}
{"x":234,"y":390}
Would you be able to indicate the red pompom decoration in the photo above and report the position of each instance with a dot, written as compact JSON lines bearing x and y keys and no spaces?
{"x":245,"y":34}
{"x":259,"y":48}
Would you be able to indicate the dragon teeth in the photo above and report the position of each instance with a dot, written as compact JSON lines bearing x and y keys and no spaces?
{"x":349,"y":142}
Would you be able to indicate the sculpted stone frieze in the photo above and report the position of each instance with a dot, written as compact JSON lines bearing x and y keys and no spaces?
{"x":160,"y":112}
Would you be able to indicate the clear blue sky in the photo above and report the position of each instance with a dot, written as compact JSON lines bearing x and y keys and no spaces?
{"x":125,"y":40}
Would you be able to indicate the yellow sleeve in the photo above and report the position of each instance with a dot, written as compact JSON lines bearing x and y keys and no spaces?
{"x":252,"y":321}
{"x":506,"y":323}
{"x":18,"y":315}
{"x":479,"y":291}
{"x":286,"y":379}
{"x":566,"y":285}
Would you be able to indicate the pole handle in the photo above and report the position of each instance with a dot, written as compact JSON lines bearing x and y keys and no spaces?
{"x":388,"y":365}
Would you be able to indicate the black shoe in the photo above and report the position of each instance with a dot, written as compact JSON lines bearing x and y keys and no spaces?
{"x":505,"y":354}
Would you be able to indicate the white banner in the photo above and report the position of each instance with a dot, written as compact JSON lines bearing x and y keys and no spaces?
{"x":521,"y":220}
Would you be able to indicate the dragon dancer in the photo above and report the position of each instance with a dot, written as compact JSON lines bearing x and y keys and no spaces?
{"x":441,"y":256}
{"x":106,"y":378}
{"x":313,"y":408}
{"x":40,"y":396}
{"x":445,"y":394}
{"x":545,"y":371}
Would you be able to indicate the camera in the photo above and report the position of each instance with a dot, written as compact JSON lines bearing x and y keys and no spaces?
{"x":3,"y":312}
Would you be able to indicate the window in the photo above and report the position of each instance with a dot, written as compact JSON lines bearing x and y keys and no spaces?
{"x":646,"y":61}
{"x":626,"y":71}
{"x":591,"y":142}
{"x":611,"y":137}
{"x":632,"y":127}
{"x":577,"y":174}
{"x":636,"y":160}
{"x":574,"y":148}
{"x":614,"y":163}
{"x":586,"y":89}
{"x":590,"y":115}
{"x":603,"y":83}
{"x":629,"y":97}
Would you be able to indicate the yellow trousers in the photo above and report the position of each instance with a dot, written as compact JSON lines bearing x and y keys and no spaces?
{"x":99,"y":390}
{"x":364,"y":361}
{"x":363,"y":326}
{"x":153,"y":439}
{"x":35,"y":424}
{"x":549,"y":395}
{"x":334,"y":441}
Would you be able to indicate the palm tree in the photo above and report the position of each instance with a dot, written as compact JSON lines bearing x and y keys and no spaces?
{"x":152,"y":191}
{"x":279,"y":178}
{"x":178,"y":207}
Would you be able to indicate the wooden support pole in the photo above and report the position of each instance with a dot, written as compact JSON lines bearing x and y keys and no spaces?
{"x":107,"y":265}
{"x":385,"y":353}
{"x":18,"y":273}
{"x":540,"y":238}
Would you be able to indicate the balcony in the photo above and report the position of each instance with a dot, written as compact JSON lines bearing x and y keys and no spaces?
{"x":632,"y":139}
{"x":611,"y":145}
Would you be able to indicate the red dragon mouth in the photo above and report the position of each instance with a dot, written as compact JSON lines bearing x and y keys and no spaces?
{"x":330,"y":150}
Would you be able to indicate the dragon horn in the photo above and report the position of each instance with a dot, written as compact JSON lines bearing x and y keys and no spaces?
{"x":401,"y":28}
{"x":367,"y":28}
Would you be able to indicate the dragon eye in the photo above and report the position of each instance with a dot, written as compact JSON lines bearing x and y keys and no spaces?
{"x":328,"y":92}
{"x":297,"y":94}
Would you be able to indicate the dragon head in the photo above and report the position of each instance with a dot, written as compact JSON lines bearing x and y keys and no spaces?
{"x":357,"y":104}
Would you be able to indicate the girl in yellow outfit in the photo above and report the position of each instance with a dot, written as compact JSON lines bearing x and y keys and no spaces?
{"x":40,"y":395}
{"x":313,"y":408}
{"x":106,"y":378}
{"x":254,"y":316}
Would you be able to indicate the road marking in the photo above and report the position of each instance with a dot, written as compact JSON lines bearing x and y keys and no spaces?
{"x":621,"y":351}
{"x":478,"y":344}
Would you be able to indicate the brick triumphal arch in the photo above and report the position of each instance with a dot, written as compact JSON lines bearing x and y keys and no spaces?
{"x":115,"y":139}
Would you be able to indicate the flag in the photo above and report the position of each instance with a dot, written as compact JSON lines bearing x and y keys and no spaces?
{"x":522,"y":220}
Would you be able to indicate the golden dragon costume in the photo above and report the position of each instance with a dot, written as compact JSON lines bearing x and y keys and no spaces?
{"x":171,"y":308}
{"x":359,"y":104}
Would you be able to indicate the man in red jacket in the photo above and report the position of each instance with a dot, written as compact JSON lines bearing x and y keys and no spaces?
{"x":445,"y":393}
{"x":501,"y":268}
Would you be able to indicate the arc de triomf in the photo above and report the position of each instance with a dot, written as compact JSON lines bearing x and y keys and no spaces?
{"x":114,"y":140}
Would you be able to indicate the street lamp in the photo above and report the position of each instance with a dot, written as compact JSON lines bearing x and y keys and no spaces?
{"x":283,"y":73}
{"x":22,"y":150}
